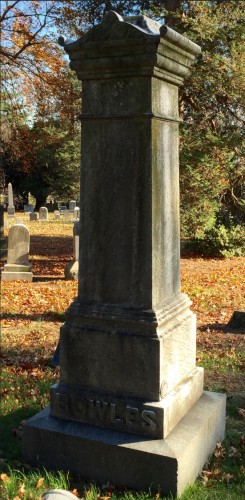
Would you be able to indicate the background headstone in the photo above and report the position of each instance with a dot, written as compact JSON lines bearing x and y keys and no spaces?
{"x":71,"y":269}
{"x":3,"y":240}
{"x":43,"y":213}
{"x":76,"y":212}
{"x":10,"y":209}
{"x":28,"y":208}
{"x":237,"y":321}
{"x":18,"y":266}
{"x":57,"y":214}
{"x":72,"y":205}
{"x":33,"y":215}
{"x":66,"y":214}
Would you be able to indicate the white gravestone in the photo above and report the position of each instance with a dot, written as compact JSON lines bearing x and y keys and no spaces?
{"x":18,"y":266}
{"x":57,"y":214}
{"x":43,"y":213}
{"x":72,"y":205}
{"x":11,"y":209}
{"x":71,"y":269}
{"x":76,"y":212}
{"x":66,"y":214}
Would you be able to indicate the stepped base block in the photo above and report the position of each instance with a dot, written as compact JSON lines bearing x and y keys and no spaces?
{"x":16,"y":276}
{"x":99,"y":454}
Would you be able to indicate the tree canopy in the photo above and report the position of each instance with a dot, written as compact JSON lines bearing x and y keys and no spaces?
{"x":40,"y":94}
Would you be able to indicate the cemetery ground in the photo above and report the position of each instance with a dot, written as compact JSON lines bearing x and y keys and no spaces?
{"x":32,"y":314}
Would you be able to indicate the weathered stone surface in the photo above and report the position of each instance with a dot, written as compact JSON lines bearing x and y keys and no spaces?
{"x":140,"y":344}
{"x":131,"y":46}
{"x":137,"y":416}
{"x":167,"y":465}
{"x":129,"y":406}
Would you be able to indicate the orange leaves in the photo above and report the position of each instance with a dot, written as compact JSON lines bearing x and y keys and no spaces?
{"x":40,"y":482}
{"x":215,"y":286}
{"x":4,"y":477}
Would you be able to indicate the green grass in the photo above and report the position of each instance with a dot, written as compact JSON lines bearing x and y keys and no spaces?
{"x":224,"y":362}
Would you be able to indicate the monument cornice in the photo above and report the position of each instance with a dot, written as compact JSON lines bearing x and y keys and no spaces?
{"x":131,"y":46}
{"x":122,"y":318}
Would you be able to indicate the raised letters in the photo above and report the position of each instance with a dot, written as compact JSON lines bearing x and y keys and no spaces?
{"x":115,"y":419}
{"x":148,"y":417}
{"x":132,"y":416}
{"x":106,"y":413}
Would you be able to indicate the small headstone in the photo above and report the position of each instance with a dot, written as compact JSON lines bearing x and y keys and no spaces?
{"x":33,"y":215}
{"x":3,"y":240}
{"x":237,"y":321}
{"x":76,"y":212}
{"x":66,"y":214}
{"x":72,"y":205}
{"x":43,"y":213}
{"x":28,"y":208}
{"x":57,"y":214}
{"x":71,"y":269}
{"x":18,"y":266}
{"x":62,"y":208}
{"x":11,"y":209}
{"x":18,"y":221}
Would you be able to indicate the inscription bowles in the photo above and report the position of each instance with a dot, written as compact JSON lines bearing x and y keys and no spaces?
{"x":118,"y":415}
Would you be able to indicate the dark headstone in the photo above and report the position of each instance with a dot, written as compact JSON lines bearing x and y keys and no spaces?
{"x":237,"y":321}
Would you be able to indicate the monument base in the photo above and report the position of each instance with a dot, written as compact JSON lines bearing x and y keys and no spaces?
{"x":71,"y":270}
{"x":167,"y":466}
{"x":12,"y":276}
{"x":16,"y":272}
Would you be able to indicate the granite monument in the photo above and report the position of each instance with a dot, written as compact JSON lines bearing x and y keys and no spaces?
{"x":129,"y":406}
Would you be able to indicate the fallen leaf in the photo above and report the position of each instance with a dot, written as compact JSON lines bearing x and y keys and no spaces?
{"x":4,"y":478}
{"x":241,"y":412}
{"x":22,"y":490}
{"x":227,"y":477}
{"x":40,"y":483}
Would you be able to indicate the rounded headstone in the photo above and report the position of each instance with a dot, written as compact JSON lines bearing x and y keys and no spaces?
{"x":58,"y":495}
